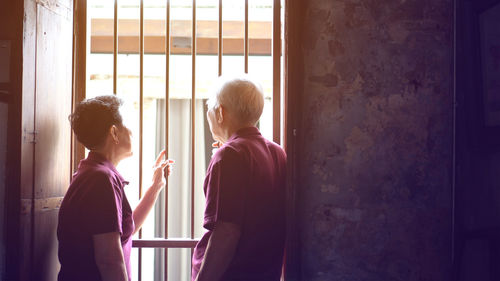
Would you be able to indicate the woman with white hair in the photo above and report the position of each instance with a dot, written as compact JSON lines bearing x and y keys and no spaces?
{"x":244,"y":189}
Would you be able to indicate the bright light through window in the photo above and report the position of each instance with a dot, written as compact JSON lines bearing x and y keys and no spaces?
{"x":172,"y":215}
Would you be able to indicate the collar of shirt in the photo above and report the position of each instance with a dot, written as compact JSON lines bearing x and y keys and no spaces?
{"x":243,"y":132}
{"x":99,"y":158}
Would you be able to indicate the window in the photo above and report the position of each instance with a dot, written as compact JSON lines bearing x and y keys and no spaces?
{"x":145,"y":53}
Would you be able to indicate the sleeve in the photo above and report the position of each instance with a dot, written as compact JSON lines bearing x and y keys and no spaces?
{"x":104,"y":211}
{"x":227,"y":182}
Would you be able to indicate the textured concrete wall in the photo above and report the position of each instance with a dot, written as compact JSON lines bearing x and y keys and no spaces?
{"x":375,"y":190}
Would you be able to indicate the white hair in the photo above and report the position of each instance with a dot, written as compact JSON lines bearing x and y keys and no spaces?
{"x":241,"y":96}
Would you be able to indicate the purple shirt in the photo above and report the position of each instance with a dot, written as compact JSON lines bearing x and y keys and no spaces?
{"x":95,"y":203}
{"x":245,"y":185}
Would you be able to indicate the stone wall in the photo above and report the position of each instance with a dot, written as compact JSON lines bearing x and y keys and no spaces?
{"x":375,"y":168}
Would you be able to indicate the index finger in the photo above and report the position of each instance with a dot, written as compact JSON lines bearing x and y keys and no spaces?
{"x":160,"y":156}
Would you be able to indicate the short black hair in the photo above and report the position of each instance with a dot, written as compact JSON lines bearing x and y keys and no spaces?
{"x":93,"y":117}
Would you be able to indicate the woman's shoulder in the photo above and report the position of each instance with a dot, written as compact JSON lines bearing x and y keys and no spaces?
{"x":98,"y":174}
{"x":228,"y":154}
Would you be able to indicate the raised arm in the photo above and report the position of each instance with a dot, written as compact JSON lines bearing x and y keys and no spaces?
{"x":161,"y":168}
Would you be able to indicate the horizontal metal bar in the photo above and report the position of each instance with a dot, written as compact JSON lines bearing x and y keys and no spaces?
{"x":164,"y":243}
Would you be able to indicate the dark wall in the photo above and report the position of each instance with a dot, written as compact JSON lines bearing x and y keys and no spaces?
{"x":11,"y":30}
{"x":375,"y":192}
{"x":3,"y":156}
{"x":479,"y":144}
{"x":478,"y":151}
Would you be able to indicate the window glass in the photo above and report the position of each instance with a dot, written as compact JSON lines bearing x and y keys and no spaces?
{"x":100,"y":46}
{"x":233,"y":30}
{"x":260,"y":60}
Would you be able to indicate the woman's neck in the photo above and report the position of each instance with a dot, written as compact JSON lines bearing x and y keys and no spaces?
{"x":109,"y":154}
{"x":231,"y":130}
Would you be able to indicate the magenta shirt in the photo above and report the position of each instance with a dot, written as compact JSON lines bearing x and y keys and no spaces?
{"x":95,"y":203}
{"x":245,"y":185}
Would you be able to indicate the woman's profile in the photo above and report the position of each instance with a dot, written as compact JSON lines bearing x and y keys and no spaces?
{"x":96,"y":222}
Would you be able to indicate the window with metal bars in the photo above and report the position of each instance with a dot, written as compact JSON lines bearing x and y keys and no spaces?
{"x":162,"y":57}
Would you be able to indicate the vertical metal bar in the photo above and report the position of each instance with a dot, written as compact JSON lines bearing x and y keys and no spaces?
{"x":139,"y":262}
{"x":115,"y":47}
{"x":276,"y":70}
{"x":284,"y":76}
{"x":245,"y":41}
{"x":141,"y":88}
{"x":193,"y":115}
{"x":167,"y":120}
{"x":141,"y":113}
{"x":167,"y":101}
{"x":76,"y":21}
{"x":219,"y":53}
{"x":141,"y":92}
{"x":80,"y":70}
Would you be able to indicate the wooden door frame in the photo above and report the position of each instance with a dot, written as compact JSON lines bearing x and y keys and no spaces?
{"x":13,"y":17}
{"x":294,"y":73}
{"x":79,"y":70}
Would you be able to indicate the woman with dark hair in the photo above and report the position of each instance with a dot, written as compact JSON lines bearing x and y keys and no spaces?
{"x":96,"y":222}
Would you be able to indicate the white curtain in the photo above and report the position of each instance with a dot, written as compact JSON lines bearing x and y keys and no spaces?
{"x":179,"y":185}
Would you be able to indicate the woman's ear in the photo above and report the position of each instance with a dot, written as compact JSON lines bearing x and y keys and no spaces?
{"x":219,"y":114}
{"x":113,"y":131}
